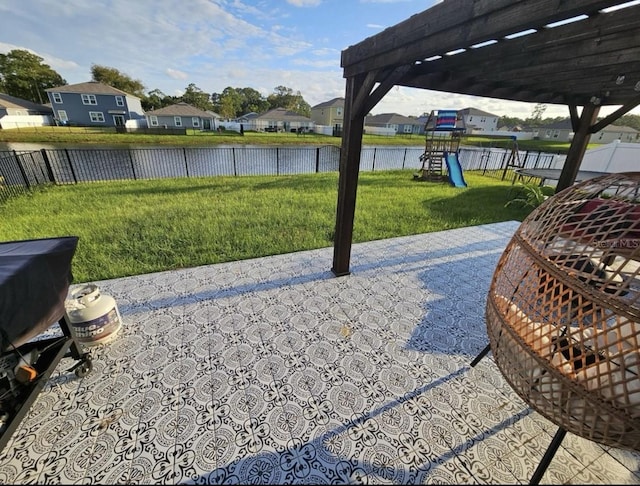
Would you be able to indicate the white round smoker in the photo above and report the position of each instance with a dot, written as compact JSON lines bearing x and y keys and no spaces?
{"x":92,"y":316}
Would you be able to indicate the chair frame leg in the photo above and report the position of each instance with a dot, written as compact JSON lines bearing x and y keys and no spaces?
{"x":482,"y":354}
{"x":548,"y":456}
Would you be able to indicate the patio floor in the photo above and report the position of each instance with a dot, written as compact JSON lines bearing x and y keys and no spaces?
{"x":272,"y":371}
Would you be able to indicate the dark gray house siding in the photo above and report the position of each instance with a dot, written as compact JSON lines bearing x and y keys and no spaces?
{"x":181,"y":115}
{"x":93,"y":104}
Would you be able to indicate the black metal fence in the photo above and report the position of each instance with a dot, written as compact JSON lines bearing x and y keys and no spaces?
{"x":20,"y":171}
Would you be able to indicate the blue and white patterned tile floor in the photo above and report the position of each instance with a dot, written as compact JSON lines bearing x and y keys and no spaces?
{"x":274,"y":371}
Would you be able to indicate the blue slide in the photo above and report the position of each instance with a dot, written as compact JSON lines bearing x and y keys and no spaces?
{"x":455,"y":171}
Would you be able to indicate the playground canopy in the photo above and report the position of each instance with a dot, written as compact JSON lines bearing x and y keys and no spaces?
{"x":581,"y":53}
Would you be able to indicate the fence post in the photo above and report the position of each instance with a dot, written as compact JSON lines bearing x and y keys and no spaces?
{"x":504,"y":156}
{"x":47,"y":165}
{"x":73,"y":172}
{"x":535,"y":164}
{"x":235,"y":169}
{"x":373,"y":162}
{"x":133,"y":167}
{"x":24,"y":174}
{"x":317,"y":160}
{"x":404,"y":157}
{"x":186,"y":165}
{"x":277,"y":161}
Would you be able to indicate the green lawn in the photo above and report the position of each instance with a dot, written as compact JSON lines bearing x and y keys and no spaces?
{"x":134,"y":227}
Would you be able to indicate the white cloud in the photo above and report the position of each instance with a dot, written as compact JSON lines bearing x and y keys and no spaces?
{"x":175,"y":74}
{"x":304,"y":3}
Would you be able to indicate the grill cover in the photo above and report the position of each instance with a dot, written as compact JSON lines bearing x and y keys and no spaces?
{"x":34,"y":281}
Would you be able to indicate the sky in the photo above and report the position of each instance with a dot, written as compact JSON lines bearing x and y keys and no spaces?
{"x":260,"y":44}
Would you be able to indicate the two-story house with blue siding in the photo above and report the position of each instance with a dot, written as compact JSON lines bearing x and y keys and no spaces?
{"x":94,"y":104}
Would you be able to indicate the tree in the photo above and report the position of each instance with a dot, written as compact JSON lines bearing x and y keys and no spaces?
{"x":227,"y":104}
{"x":536,"y":115}
{"x":26,"y":76}
{"x":629,"y":120}
{"x":252,"y":101}
{"x":156,"y":99}
{"x":234,"y":102}
{"x":510,"y":122}
{"x":284,"y":97}
{"x":116,"y":79}
{"x":197,"y":98}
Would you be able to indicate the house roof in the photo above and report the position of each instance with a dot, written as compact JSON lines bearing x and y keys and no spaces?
{"x":566,"y":125}
{"x":248,"y":116}
{"x":282,"y":114}
{"x":476,"y":112}
{"x":180,"y":109}
{"x":619,"y":128}
{"x":8,"y":101}
{"x":338,"y":102}
{"x":390,"y":119}
{"x":90,"y":87}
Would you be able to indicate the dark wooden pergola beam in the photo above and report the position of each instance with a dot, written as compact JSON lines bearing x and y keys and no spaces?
{"x":582,"y":134}
{"x":623,"y":110}
{"x":574,"y":64}
{"x":457,"y":24}
{"x":359,"y":100}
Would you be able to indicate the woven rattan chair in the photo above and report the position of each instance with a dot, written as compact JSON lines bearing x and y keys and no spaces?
{"x":563,"y":311}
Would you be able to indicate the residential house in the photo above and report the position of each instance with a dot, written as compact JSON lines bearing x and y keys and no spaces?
{"x":612,"y":133}
{"x":181,"y":115}
{"x":478,"y":121}
{"x":216,"y":119}
{"x":282,"y":120}
{"x":330,"y":113}
{"x":392,"y":121}
{"x":16,"y":113}
{"x":247,"y":119}
{"x":563,"y":131}
{"x":95,"y":104}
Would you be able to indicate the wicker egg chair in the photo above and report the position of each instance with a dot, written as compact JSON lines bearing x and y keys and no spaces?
{"x":563,"y":310}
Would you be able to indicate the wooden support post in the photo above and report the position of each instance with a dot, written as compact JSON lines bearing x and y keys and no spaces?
{"x":348,"y":178}
{"x":578,"y":147}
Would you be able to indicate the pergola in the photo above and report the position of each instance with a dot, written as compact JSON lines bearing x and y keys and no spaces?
{"x":582,"y":53}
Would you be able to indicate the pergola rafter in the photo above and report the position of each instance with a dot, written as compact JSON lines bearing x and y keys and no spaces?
{"x":473,"y":47}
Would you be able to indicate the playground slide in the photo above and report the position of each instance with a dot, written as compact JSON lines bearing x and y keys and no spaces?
{"x":455,"y":170}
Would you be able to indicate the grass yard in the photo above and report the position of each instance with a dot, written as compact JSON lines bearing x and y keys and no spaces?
{"x":135,"y":227}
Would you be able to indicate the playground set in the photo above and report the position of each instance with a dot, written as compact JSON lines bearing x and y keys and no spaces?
{"x":443,"y":132}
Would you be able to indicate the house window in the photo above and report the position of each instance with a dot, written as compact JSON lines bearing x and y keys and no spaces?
{"x":89,"y":99}
{"x":57,"y":97}
{"x":96,"y":116}
{"x":153,"y":120}
{"x":339,"y":111}
{"x":119,"y":101}
{"x":18,"y":112}
{"x":177,"y":121}
{"x":195,"y":121}
{"x":62,"y":115}
{"x":408,"y":128}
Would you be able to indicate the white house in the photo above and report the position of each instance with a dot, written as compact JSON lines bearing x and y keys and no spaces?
{"x":479,"y":121}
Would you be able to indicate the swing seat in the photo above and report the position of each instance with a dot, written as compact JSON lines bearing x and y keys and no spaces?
{"x":563,"y":310}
